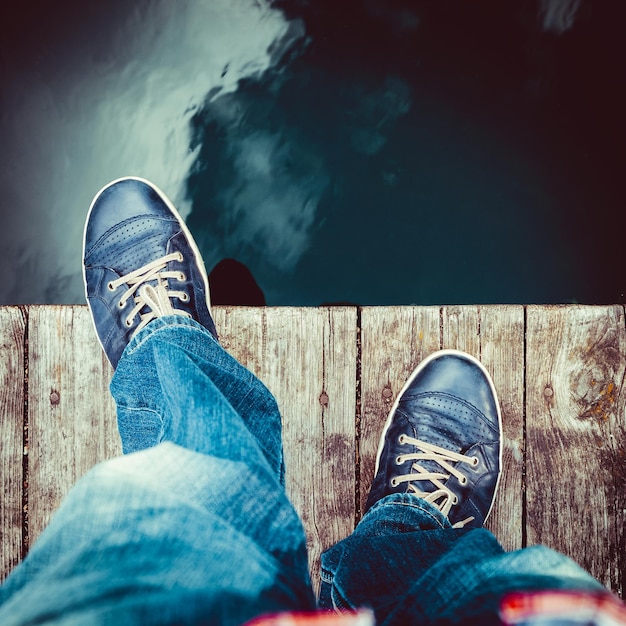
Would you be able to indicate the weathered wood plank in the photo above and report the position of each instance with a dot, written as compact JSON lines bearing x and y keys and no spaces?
{"x":576,"y":427}
{"x":460,"y":329}
{"x":393,"y":341}
{"x":12,"y":328}
{"x":307,"y":358}
{"x":242,"y":332}
{"x":502,"y":353}
{"x":310,"y":366}
{"x":71,"y":413}
{"x":495,"y":335}
{"x":576,"y":477}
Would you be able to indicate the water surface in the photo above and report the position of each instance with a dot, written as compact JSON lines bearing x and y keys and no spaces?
{"x":368,"y":152}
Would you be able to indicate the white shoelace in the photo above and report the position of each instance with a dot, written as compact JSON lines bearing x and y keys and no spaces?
{"x":157,"y":298}
{"x":443,"y":498}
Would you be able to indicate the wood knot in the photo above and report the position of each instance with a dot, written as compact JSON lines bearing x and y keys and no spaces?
{"x":55,"y":397}
{"x":548,"y":392}
{"x":387,"y":393}
{"x":324,"y":398}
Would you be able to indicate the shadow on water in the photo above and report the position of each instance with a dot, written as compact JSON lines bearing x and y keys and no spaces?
{"x":379,"y":152}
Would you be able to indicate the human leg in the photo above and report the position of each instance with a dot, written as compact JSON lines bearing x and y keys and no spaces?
{"x":194,"y":525}
{"x":176,"y":383}
{"x":406,"y":562}
{"x":420,"y":554}
{"x":164,"y":536}
{"x":142,"y":266}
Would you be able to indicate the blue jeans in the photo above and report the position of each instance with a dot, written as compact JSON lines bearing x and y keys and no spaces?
{"x":192,"y":525}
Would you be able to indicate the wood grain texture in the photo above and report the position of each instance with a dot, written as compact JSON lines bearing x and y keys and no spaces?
{"x":569,"y":361}
{"x":242,"y":332}
{"x":12,"y":329}
{"x":393,"y":342}
{"x":460,"y":329}
{"x":310,"y":366}
{"x":576,"y":476}
{"x":495,"y":335}
{"x":71,"y":413}
{"x":307,"y":358}
{"x":502,"y":353}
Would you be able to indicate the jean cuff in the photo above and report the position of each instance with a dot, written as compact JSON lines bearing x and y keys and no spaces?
{"x":166,"y":323}
{"x":408,"y":509}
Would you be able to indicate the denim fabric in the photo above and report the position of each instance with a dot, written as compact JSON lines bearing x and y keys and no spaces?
{"x":196,"y":529}
{"x":176,"y":383}
{"x":406,"y":562}
{"x":192,"y":525}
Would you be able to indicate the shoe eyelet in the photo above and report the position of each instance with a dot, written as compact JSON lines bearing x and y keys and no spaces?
{"x":463,"y":480}
{"x":181,"y":277}
{"x":110,"y":286}
{"x":180,"y":256}
{"x":455,"y":500}
{"x":184,"y":297}
{"x":401,"y":439}
{"x":475,"y":461}
{"x":393,"y":482}
{"x":399,"y":460}
{"x":120,"y":305}
{"x":128,"y":323}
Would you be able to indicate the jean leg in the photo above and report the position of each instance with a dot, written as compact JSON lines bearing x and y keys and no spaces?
{"x":158,"y":400}
{"x":164,"y":536}
{"x":406,"y":562}
{"x":195,"y":529}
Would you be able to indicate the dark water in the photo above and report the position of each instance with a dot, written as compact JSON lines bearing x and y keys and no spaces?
{"x":368,"y":152}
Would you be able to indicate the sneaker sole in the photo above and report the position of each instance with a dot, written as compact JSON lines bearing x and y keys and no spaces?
{"x":175,"y":213}
{"x":416,"y":371}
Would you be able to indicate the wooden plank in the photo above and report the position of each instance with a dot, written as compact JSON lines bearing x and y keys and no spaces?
{"x":12,"y":328}
{"x":576,"y":477}
{"x":393,"y":341}
{"x":242,"y":332}
{"x":495,"y":335}
{"x":460,"y":329}
{"x":502,"y":353}
{"x":71,"y":413}
{"x":575,"y":366}
{"x":307,"y":358}
{"x":311,"y":368}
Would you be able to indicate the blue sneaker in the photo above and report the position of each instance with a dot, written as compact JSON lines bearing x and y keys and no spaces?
{"x":442,"y":439}
{"x":140,"y":262}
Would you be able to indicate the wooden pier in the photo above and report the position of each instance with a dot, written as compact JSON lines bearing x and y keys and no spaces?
{"x":559,"y":372}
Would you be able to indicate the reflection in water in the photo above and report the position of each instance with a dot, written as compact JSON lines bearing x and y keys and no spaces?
{"x":366,"y":151}
{"x":258,"y":180}
{"x":109,"y":99}
{"x":559,"y":15}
